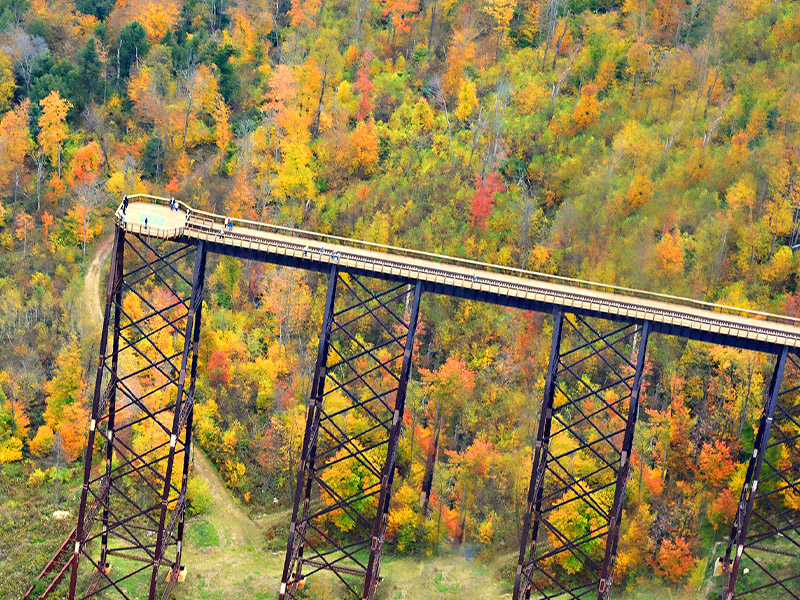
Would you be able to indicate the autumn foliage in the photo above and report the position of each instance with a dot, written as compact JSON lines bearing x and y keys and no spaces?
{"x":645,"y":144}
{"x":483,"y":198}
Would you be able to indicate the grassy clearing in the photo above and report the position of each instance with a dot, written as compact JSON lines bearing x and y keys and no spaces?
{"x":201,"y":534}
{"x":28,"y":532}
{"x":229,"y":555}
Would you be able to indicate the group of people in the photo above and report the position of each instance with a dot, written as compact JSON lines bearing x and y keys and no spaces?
{"x":335,"y":254}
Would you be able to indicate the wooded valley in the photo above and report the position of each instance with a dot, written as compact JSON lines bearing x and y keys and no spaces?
{"x":653,"y":144}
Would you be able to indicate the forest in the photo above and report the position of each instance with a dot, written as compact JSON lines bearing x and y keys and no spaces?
{"x":652,"y":144}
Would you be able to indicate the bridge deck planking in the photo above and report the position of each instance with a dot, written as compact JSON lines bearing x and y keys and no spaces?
{"x":460,"y":281}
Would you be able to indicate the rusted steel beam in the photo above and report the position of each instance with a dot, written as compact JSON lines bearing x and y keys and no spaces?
{"x":766,"y":521}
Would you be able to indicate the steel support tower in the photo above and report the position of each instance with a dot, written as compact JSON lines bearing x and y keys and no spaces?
{"x":352,"y":433}
{"x":582,"y":458}
{"x":765,"y":535}
{"x":131,"y":515}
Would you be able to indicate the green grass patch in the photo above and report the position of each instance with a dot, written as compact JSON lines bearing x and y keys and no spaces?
{"x":201,"y":534}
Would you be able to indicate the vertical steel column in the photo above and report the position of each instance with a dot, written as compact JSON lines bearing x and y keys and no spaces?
{"x":535,"y":488}
{"x":748,"y":497}
{"x":294,"y":546}
{"x":194,"y":303}
{"x":187,"y":445}
{"x":387,"y":477}
{"x":112,"y":387}
{"x":114,"y":286}
{"x":607,"y":571}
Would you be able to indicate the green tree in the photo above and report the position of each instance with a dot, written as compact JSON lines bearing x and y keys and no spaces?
{"x":132,"y":47}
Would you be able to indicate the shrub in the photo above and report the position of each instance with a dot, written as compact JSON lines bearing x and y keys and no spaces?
{"x":198,"y":496}
{"x":37,"y":477}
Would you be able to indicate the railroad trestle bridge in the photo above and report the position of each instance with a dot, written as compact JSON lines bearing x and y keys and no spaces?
{"x":133,"y":500}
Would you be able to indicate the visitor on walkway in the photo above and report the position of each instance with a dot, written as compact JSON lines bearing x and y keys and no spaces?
{"x":124,"y":204}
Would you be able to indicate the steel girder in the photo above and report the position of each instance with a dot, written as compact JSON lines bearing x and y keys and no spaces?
{"x":765,"y":536}
{"x":130,"y":521}
{"x":355,"y":415}
{"x":581,"y":458}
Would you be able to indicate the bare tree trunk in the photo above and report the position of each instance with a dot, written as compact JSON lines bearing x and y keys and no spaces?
{"x":430,"y":463}
{"x":39,"y":159}
{"x":712,"y":130}
{"x":186,"y":117}
{"x":315,"y":126}
{"x":433,"y":20}
{"x":710,"y":91}
{"x":563,"y":78}
{"x":476,"y":135}
{"x":561,"y":38}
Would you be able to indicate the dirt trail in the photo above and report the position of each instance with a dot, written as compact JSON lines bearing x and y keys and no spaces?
{"x":235,"y":527}
{"x":91,"y":285}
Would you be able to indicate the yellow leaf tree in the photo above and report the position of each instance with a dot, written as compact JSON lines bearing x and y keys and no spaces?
{"x":15,"y":143}
{"x":83,"y":175}
{"x":501,"y":12}
{"x":223,"y":130}
{"x":53,"y":127}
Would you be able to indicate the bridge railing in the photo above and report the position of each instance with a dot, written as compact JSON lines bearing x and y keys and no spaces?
{"x":213,"y":219}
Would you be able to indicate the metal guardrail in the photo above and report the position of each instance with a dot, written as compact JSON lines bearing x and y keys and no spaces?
{"x":210,"y":219}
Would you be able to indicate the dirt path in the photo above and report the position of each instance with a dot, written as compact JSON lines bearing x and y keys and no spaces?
{"x":91,"y":285}
{"x":234,"y":563}
{"x":235,"y":528}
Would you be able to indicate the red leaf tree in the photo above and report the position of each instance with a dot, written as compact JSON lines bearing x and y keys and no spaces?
{"x":483,"y":199}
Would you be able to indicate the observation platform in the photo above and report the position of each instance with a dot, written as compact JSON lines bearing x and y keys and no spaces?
{"x":458,"y":277}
